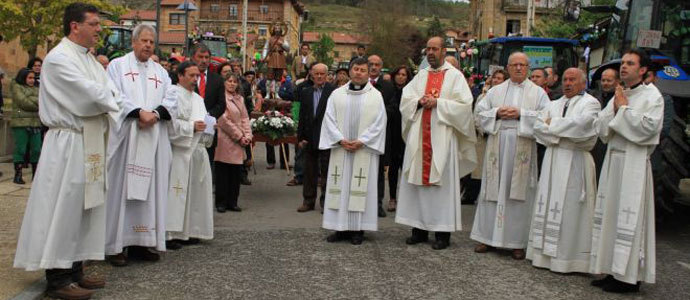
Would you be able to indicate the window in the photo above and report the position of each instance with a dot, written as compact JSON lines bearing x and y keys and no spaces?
{"x":176,"y":19}
{"x":263,"y":30}
{"x":336,"y":54}
{"x":263,"y":9}
{"x":233,"y":10}
{"x":215,"y":8}
{"x":512,"y":26}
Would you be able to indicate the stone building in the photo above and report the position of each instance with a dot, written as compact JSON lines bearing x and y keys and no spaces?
{"x":495,"y":18}
{"x":224,"y":17}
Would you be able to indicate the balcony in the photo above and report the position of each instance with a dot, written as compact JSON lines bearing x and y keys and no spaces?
{"x":521,"y":5}
{"x":207,"y":15}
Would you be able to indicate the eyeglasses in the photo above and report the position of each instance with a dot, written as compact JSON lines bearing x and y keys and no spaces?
{"x":518,"y":65}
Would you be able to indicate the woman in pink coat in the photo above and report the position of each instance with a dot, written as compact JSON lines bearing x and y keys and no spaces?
{"x":234,"y":134}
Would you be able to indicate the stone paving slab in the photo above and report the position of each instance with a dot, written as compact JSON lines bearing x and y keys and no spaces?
{"x":299,"y":264}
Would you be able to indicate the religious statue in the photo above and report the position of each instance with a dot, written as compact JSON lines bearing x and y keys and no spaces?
{"x":275,"y":49}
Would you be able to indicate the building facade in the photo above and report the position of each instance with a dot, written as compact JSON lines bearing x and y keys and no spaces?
{"x":496,"y":18}
{"x":224,"y":17}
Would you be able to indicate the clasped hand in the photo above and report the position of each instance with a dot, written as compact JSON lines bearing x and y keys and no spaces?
{"x":351,"y":146}
{"x":147,"y":119}
{"x":199,"y":126}
{"x":244,"y":141}
{"x":619,"y":99}
{"x":508,"y":113}
{"x":428,"y":101}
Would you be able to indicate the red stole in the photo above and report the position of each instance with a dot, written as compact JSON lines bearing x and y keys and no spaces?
{"x":433,"y":87}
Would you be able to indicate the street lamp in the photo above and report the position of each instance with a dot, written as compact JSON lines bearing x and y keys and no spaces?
{"x":186,"y":6}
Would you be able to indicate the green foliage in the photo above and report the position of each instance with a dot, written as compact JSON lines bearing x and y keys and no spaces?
{"x":435,"y":28}
{"x":39,"y":22}
{"x":556,"y":27}
{"x":323,"y":49}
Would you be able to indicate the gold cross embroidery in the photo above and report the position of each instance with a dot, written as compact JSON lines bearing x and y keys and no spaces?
{"x":94,"y":169}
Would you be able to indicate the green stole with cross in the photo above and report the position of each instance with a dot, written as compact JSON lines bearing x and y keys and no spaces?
{"x":368,"y":111}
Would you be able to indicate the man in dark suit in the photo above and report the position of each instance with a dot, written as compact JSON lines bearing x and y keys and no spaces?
{"x":313,"y":101}
{"x":210,"y":87}
{"x":387,"y":91}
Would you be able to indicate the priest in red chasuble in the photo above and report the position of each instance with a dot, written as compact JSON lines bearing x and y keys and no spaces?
{"x":438,"y":129}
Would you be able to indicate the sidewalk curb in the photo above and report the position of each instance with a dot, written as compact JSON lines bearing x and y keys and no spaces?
{"x":33,"y":292}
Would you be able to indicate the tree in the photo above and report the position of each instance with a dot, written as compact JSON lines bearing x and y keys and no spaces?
{"x":435,"y":28}
{"x":39,"y":22}
{"x":323,"y":49}
{"x":556,"y":26}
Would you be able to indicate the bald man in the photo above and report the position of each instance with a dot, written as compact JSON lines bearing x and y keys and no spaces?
{"x":439,"y":132}
{"x":388,"y":92}
{"x":507,"y":114}
{"x":103,"y":60}
{"x":452,"y":61}
{"x":313,"y":100}
{"x":561,"y":228}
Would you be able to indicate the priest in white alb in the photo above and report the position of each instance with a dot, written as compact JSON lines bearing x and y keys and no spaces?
{"x":623,"y":237}
{"x":439,"y":133}
{"x":64,"y":222}
{"x":354,"y":129}
{"x":509,"y":178}
{"x":140,"y":154}
{"x":190,"y":197}
{"x":561,"y":228}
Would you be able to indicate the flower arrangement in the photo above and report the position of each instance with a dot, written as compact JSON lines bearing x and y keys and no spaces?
{"x":273,"y":125}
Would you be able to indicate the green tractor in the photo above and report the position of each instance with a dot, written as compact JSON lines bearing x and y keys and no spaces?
{"x":117,"y":41}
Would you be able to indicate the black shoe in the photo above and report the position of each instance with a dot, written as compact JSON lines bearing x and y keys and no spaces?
{"x":338,"y":236}
{"x":220,"y":209}
{"x":602,"y":282}
{"x":235,"y":208}
{"x":357,"y":238}
{"x":382,"y":212}
{"x":620,"y":287}
{"x":18,"y":174}
{"x":442,"y":240}
{"x":173,"y":245}
{"x":418,"y":236}
{"x":142,"y":253}
{"x":245,"y":181}
{"x":190,"y":241}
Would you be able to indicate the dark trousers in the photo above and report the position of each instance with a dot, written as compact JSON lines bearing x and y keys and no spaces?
{"x":394,"y":167}
{"x":299,"y":164}
{"x":315,"y":172}
{"x":58,"y":278}
{"x":246,"y":167}
{"x":228,"y":177}
{"x":27,"y":144}
{"x":381,"y":182}
{"x":271,"y":154}
{"x":470,"y":189}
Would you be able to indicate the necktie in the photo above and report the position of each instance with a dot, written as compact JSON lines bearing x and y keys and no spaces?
{"x":373,"y":82}
{"x":202,"y":85}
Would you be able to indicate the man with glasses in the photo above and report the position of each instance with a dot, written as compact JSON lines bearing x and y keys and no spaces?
{"x":64,"y":222}
{"x":509,"y":179}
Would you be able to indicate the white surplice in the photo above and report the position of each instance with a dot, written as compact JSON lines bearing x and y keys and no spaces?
{"x":353,"y":115}
{"x":561,"y":228}
{"x":436,"y":207}
{"x":503,"y":215}
{"x":140,"y":159}
{"x":623,"y":238}
{"x":57,"y":230}
{"x":190,"y":197}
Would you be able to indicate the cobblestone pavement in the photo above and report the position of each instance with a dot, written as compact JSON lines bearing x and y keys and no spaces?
{"x":269,"y":251}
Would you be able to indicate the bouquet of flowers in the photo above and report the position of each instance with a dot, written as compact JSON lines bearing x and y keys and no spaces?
{"x":273,"y":125}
